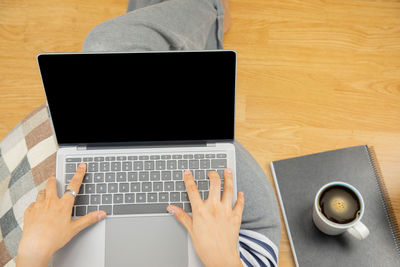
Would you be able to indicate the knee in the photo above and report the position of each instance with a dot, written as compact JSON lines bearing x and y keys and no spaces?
{"x":102,"y":38}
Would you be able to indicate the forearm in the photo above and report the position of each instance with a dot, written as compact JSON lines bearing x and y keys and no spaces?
{"x":24,"y":260}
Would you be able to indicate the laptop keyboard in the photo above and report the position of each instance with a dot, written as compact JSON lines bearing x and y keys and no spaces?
{"x":143,"y":184}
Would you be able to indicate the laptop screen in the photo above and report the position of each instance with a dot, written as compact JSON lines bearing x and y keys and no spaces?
{"x":140,"y":97}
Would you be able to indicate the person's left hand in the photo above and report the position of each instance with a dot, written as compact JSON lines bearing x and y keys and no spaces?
{"x":48,"y":224}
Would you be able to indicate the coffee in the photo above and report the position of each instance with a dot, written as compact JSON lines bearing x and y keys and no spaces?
{"x":339,"y":204}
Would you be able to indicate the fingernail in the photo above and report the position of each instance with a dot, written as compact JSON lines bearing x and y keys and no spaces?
{"x":187,"y":172}
{"x":82,"y":165}
{"x":229,"y":170}
{"x":170,"y":210}
{"x":101,"y":215}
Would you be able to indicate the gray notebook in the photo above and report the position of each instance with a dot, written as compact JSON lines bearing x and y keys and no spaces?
{"x":298,"y":180}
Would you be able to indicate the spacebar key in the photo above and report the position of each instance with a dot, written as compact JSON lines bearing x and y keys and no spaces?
{"x":140,"y":208}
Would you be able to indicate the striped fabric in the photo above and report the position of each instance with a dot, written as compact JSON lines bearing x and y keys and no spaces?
{"x":257,"y":250}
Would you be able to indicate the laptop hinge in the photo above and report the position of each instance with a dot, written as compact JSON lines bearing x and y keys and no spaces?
{"x":212,"y":144}
{"x":81,"y":147}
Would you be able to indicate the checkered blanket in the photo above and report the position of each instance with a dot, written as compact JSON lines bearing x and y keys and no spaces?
{"x":27,"y":158}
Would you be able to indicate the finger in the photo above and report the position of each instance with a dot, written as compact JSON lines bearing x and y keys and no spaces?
{"x":87,"y":220}
{"x":191,"y":189}
{"x":41,"y":195}
{"x":228,"y":188}
{"x":215,"y":186}
{"x":184,"y":218}
{"x":51,"y":186}
{"x":76,"y":181}
{"x":239,"y":205}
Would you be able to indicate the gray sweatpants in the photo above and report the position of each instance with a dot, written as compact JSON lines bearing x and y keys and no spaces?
{"x":161,"y":25}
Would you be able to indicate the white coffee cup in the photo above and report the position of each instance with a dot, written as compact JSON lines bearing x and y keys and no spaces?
{"x":356,"y":228}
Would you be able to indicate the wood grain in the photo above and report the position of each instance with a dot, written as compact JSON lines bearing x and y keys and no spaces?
{"x":312,"y":75}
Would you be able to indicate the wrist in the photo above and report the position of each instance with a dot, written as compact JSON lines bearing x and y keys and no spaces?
{"x":32,"y":259}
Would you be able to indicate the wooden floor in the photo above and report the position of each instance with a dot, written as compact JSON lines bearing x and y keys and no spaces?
{"x":312,"y":75}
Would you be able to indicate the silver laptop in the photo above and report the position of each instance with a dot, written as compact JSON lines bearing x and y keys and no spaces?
{"x":138,"y":120}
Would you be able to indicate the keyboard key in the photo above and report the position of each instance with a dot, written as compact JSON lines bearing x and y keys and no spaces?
{"x":199,"y":175}
{"x":140,"y":208}
{"x":180,"y":186}
{"x":144,"y":176}
{"x":135,"y":187}
{"x":176,"y":156}
{"x":199,"y":156}
{"x":146,"y":187}
{"x":140,"y":197}
{"x":152,"y":197}
{"x":101,"y":188}
{"x":121,"y":158}
{"x":73,"y":160}
{"x":221,"y":173}
{"x":178,"y":205}
{"x":87,"y":159}
{"x":91,"y":208}
{"x":158,"y":186}
{"x":82,"y":200}
{"x":93,"y":167}
{"x":203,"y":185}
{"x":132,"y":176}
{"x":218,"y":163}
{"x":70,"y":168}
{"x":110,"y":177}
{"x":95,"y":199}
{"x":205,"y":195}
{"x":166,"y":175}
{"x":110,"y":158}
{"x":90,"y":188}
{"x":160,"y":165}
{"x":98,"y":177}
{"x":165,"y":156}
{"x":154,"y":176}
{"x":171,"y":165}
{"x":106,"y":208}
{"x":80,"y":210}
{"x":154,"y":157}
{"x":121,"y":176}
{"x":126,"y":166}
{"x":98,"y":158}
{"x":175,"y":196}
{"x":169,"y":186}
{"x":205,"y":164}
{"x":221,"y":156}
{"x":68,"y":177}
{"x":184,"y":196}
{"x":177,"y":175}
{"x":88,"y":178}
{"x":124,"y":187}
{"x":130,"y":198}
{"x":210,"y":156}
{"x":194,"y":164}
{"x":143,"y":157}
{"x":138,"y":165}
{"x":81,"y":190}
{"x":187,"y":156}
{"x":132,"y":157}
{"x":187,"y":207}
{"x":149,"y":165}
{"x":112,"y":188}
{"x":163,"y":197}
{"x":116,"y":166}
{"x":118,"y":198}
{"x":183,"y":164}
{"x":106,"y":199}
{"x":104,"y":166}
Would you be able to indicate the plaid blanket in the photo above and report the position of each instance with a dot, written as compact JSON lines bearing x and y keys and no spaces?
{"x":27,"y":158}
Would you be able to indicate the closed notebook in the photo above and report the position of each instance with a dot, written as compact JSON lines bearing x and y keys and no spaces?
{"x":298,"y":180}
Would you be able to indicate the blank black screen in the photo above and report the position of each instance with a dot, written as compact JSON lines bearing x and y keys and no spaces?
{"x":140,"y":97}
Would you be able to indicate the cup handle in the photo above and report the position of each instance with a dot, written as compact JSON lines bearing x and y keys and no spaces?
{"x":359,"y":231}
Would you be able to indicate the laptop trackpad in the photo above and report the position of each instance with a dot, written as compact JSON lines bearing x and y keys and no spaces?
{"x":145,"y":241}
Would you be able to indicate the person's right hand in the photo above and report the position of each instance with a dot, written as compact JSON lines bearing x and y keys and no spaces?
{"x":214,"y":225}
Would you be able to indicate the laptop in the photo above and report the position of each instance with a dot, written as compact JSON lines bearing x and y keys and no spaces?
{"x":138,"y":120}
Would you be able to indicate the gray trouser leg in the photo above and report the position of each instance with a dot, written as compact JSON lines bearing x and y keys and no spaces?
{"x":169,"y":25}
{"x":190,"y":25}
